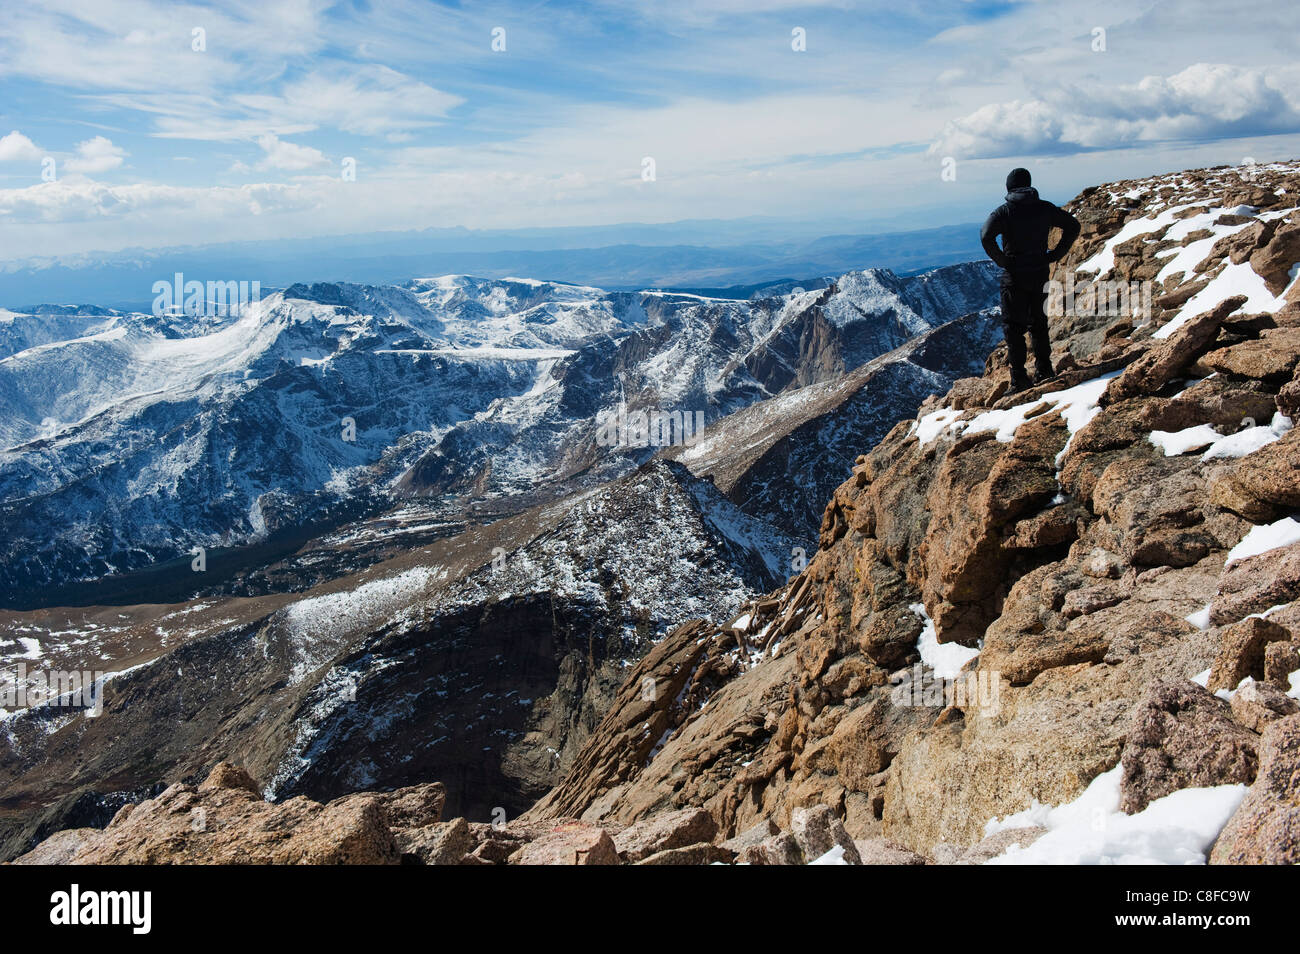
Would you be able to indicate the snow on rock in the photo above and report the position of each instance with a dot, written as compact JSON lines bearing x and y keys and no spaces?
{"x":946,"y":659}
{"x":1178,"y":829}
{"x":1174,"y":443}
{"x":1233,"y":280}
{"x":317,"y":622}
{"x":1265,"y":537}
{"x":1218,"y":446}
{"x":1078,"y":405}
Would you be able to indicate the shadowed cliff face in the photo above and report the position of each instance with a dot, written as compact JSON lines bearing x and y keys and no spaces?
{"x":1079,"y":551}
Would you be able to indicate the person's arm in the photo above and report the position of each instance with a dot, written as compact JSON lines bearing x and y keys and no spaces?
{"x":989,"y":239}
{"x":1069,"y":227}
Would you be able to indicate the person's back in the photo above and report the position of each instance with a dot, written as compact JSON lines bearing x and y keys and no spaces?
{"x":1024,"y":222}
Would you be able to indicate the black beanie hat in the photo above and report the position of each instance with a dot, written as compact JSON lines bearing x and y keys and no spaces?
{"x":1017,"y":179}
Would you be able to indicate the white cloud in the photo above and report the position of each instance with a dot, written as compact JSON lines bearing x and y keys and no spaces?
{"x":287,"y":156}
{"x":96,"y":155}
{"x":16,"y":147}
{"x":80,"y":199}
{"x":1203,"y":101}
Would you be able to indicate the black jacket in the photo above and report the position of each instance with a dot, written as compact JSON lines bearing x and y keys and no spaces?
{"x":1024,"y":222}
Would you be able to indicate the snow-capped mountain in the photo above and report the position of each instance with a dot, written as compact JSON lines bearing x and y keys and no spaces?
{"x":134,"y":439}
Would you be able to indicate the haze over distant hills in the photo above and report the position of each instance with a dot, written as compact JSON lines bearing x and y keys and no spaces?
{"x":713,"y":255}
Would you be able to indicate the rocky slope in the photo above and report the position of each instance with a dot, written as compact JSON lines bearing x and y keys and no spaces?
{"x":1090,"y":555}
{"x":1059,"y":625}
{"x":483,"y":660}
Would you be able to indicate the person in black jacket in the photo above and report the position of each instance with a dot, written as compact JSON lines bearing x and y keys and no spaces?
{"x":1025,"y":221}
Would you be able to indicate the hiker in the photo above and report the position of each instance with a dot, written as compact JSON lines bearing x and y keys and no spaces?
{"x":1024,"y":221}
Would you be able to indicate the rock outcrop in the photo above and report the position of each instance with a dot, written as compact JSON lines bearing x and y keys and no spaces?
{"x":1075,"y":545}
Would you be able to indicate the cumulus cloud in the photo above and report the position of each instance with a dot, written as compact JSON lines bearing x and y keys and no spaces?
{"x":96,"y":155}
{"x":1203,"y":101}
{"x":287,"y":156}
{"x":16,"y":147}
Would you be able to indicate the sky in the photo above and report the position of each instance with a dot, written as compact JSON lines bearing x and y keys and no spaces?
{"x":146,"y":124}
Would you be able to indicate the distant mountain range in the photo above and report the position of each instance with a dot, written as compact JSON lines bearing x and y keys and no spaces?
{"x":129,"y":440}
{"x":727,"y":259}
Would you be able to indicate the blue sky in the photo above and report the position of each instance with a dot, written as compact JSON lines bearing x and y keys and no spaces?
{"x":156,"y":143}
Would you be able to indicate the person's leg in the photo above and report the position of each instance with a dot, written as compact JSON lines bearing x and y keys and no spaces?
{"x":1039,"y":333}
{"x":1013,"y":329}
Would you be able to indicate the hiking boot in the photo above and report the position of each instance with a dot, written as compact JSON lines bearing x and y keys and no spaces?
{"x":1018,"y":383}
{"x":1041,"y":376}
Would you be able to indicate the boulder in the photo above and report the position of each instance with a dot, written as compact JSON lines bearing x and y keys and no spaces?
{"x":699,"y":854}
{"x":780,"y":849}
{"x":442,"y":843}
{"x":415,"y":806}
{"x":1265,"y":829}
{"x":1257,"y":584}
{"x":1274,"y":261}
{"x":1256,"y":704}
{"x":573,"y":844}
{"x":1262,"y":485}
{"x":1180,"y":736}
{"x":1280,"y":661}
{"x":223,"y":821}
{"x":1241,"y":651}
{"x":755,"y":835}
{"x":689,"y":826}
{"x":1272,"y":357}
{"x":1157,"y":366}
{"x":882,"y":851}
{"x":818,"y":829}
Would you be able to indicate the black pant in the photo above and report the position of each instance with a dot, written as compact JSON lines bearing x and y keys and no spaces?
{"x":1024,"y":299}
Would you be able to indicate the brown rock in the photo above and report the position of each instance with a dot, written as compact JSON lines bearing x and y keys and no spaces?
{"x":1275,"y":260}
{"x":1288,"y":398}
{"x":1257,"y":584}
{"x":702,"y":854}
{"x":213,"y":824}
{"x":882,"y":851}
{"x":415,"y":806}
{"x":1180,"y":736}
{"x":1263,"y":485}
{"x":1265,"y":829}
{"x":1272,"y":356}
{"x":573,"y":844}
{"x":689,"y":826}
{"x":780,"y":849}
{"x":1256,"y":704}
{"x":61,"y":848}
{"x":818,"y":830}
{"x":755,"y":835}
{"x":1280,"y":660}
{"x":231,"y":776}
{"x":1241,"y":652}
{"x":1163,"y":361}
{"x":442,"y":843}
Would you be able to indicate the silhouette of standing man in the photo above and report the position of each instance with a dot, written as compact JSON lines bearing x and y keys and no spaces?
{"x":1025,"y":221}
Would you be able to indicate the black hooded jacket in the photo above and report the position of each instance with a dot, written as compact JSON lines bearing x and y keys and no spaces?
{"x":1024,"y":221}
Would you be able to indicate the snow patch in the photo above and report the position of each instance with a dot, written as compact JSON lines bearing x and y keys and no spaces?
{"x":1178,"y":829}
